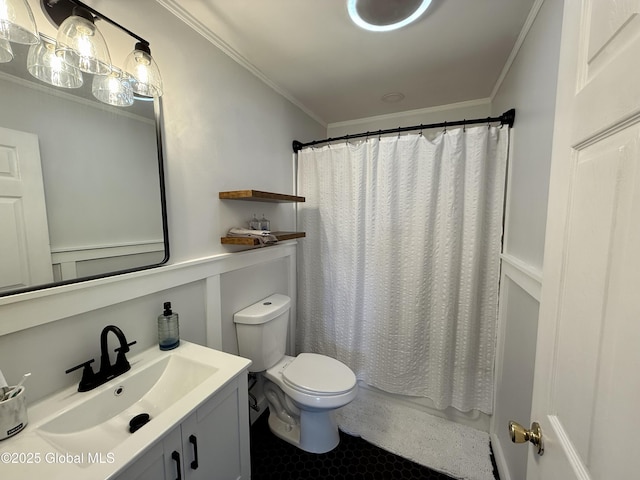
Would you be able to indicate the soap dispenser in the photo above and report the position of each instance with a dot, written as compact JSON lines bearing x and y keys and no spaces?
{"x":265,"y":224}
{"x":168,"y":328}
{"x":254,"y":224}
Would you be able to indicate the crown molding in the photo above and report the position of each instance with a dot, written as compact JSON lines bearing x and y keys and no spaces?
{"x":178,"y":11}
{"x":411,"y":113}
{"x":528,"y":23}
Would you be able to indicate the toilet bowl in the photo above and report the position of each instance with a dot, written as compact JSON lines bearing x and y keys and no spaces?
{"x":312,"y":387}
{"x":303,"y":392}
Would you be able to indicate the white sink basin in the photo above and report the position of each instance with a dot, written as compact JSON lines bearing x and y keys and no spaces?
{"x":163,"y":385}
{"x":105,"y":417}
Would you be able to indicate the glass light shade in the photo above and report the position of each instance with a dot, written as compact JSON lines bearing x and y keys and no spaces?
{"x":145,"y":72}
{"x":114,"y":89}
{"x":17,"y":23}
{"x":45,"y":65}
{"x":80,"y":44}
{"x":6,"y":53}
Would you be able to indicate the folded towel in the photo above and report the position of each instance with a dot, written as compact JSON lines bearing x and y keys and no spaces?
{"x":263,"y":236}
{"x":246,"y":231}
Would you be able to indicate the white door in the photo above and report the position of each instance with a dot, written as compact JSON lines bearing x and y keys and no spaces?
{"x":587,"y":373}
{"x":25,"y":257}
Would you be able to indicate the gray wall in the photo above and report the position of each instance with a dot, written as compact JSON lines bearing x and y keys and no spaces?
{"x":224,"y":129}
{"x":530,"y":88}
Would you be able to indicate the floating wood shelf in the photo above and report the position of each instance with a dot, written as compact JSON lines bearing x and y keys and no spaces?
{"x":258,"y":196}
{"x":250,"y":241}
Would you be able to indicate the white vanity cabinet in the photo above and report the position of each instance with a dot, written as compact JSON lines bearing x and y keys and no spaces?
{"x":212,"y":443}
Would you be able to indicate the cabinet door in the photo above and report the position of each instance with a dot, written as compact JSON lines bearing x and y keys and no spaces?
{"x":215,"y":438}
{"x":157,"y":463}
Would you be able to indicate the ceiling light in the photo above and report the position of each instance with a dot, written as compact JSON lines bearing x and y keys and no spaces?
{"x":385,"y":15}
{"x":392,"y":97}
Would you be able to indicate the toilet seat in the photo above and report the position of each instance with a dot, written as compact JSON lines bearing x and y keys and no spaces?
{"x":318,"y":375}
{"x":307,"y":398}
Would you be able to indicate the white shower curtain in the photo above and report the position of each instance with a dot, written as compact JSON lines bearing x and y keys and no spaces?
{"x":399,"y":270}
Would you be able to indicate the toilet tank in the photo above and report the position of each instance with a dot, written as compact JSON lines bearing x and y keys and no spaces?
{"x":262,"y":331}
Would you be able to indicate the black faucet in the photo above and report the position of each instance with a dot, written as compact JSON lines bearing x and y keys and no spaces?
{"x":121,"y":365}
{"x":107,"y":371}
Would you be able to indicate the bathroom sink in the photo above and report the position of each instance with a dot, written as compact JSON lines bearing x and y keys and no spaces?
{"x":73,"y":434}
{"x":99,"y":420}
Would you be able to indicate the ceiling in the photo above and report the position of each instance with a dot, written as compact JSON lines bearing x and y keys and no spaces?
{"x":310,"y":51}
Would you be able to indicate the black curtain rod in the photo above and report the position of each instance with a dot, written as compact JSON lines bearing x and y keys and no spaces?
{"x":507,"y":118}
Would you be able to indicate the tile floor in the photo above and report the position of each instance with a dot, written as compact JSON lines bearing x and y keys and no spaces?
{"x":353,"y":459}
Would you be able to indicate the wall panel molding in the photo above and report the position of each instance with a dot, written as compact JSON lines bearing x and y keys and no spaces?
{"x":526,"y":276}
{"x":30,"y":309}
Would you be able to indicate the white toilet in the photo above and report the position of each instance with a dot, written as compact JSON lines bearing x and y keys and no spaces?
{"x":303,"y":391}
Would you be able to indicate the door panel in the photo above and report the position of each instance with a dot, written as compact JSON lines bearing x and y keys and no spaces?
{"x":615,"y":413}
{"x":584,"y":294}
{"x":587,"y":360}
{"x":24,"y":240}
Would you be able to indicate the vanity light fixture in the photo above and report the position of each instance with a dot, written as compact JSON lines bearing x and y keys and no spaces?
{"x":17,"y":23}
{"x":114,"y":89}
{"x":385,"y":15}
{"x":80,"y":44}
{"x":79,"y":47}
{"x":144,"y":70}
{"x":139,"y":65}
{"x":6,"y":53}
{"x":45,"y":65}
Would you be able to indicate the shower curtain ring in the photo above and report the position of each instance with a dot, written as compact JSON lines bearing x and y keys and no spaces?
{"x":399,"y":132}
{"x":367,"y":138}
{"x":445,"y":128}
{"x":379,"y":135}
{"x":464,"y":125}
{"x":421,"y":127}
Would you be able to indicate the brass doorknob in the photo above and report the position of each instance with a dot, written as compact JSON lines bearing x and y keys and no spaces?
{"x":519,"y":434}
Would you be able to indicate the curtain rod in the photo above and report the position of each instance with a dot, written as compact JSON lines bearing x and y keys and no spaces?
{"x":507,"y":118}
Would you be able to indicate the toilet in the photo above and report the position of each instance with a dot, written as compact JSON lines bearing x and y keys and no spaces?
{"x":303,"y":392}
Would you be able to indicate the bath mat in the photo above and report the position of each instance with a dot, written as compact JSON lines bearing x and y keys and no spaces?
{"x":458,"y":450}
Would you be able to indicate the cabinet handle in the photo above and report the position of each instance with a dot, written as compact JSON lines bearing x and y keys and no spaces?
{"x":194,"y":442}
{"x":176,"y":456}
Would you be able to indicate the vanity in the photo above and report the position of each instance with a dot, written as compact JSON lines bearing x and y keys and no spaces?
{"x":197,"y":404}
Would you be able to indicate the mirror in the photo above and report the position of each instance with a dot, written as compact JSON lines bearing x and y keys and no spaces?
{"x":81,"y":183}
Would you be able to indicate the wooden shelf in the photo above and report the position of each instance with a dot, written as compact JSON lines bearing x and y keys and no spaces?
{"x":258,"y":196}
{"x":250,"y":241}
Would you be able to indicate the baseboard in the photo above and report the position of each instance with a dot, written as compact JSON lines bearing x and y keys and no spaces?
{"x":498,"y":455}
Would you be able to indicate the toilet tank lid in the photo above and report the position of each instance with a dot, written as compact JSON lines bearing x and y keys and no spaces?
{"x":264,"y":310}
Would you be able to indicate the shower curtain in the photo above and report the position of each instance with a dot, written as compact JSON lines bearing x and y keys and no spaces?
{"x":399,"y":270}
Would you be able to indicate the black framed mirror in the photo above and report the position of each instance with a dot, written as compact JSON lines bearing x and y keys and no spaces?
{"x":101,"y":207}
